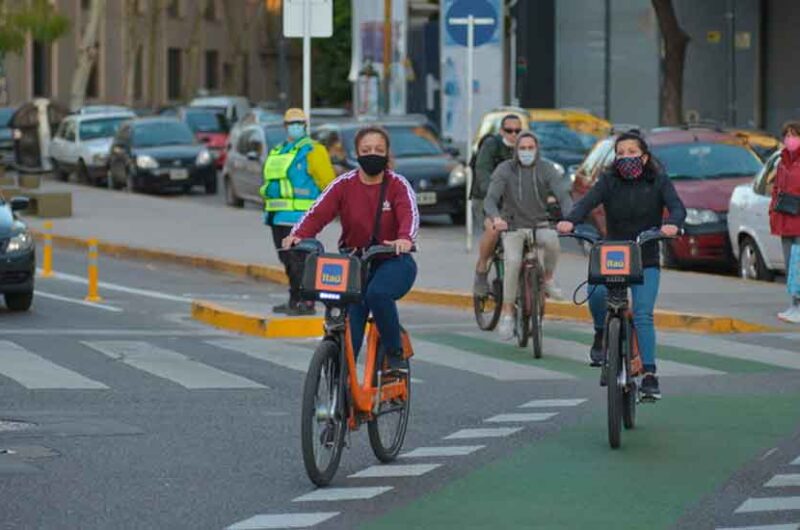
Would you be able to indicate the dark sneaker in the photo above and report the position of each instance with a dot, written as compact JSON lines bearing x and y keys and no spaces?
{"x":597,"y":355}
{"x":649,"y":387}
{"x":481,"y":285}
{"x":397,"y":363}
{"x":282,"y":308}
{"x":302,"y":309}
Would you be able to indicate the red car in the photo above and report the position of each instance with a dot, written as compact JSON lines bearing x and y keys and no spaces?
{"x":705,"y":165}
{"x":210,"y":127}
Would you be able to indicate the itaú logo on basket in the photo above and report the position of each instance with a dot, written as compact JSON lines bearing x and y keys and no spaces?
{"x":615,"y":261}
{"x":332,"y":274}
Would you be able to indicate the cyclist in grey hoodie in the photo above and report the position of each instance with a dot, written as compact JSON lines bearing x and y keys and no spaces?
{"x":517,"y":202}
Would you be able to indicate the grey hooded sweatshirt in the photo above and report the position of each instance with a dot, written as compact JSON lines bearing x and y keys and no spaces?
{"x":518,"y":194}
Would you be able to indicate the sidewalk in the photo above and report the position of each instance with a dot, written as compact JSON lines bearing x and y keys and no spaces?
{"x":189,"y":227}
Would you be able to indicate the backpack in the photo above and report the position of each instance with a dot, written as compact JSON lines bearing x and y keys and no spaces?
{"x":473,"y":193}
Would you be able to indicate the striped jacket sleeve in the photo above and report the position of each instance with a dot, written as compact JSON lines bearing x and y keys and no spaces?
{"x":406,"y":210}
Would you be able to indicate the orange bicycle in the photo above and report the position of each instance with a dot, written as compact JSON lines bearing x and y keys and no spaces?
{"x":335,"y":402}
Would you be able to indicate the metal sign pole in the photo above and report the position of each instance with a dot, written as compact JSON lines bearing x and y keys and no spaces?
{"x":470,"y":88}
{"x":307,"y":59}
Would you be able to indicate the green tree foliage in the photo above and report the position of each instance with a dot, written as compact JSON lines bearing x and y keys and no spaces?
{"x":331,"y":61}
{"x":37,"y":18}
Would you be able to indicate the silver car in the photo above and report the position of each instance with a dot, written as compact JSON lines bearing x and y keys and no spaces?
{"x":242,"y":173}
{"x":82,"y":144}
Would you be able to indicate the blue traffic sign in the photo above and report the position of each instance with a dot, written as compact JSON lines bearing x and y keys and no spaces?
{"x":478,"y":9}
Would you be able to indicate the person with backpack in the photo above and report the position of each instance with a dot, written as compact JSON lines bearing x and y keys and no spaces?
{"x":492,"y":151}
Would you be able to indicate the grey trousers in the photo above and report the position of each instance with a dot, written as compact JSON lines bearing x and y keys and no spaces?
{"x":513,"y":243}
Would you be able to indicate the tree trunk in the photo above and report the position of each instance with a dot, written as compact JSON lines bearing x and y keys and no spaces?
{"x":196,"y":41}
{"x":156,"y":7}
{"x":675,"y":42}
{"x":231,"y":7}
{"x":132,"y":45}
{"x":87,"y":54}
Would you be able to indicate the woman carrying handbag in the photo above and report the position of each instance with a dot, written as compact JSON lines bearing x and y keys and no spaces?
{"x":784,"y":215}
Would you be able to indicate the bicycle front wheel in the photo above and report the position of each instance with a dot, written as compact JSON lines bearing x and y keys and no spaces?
{"x":537,"y":317}
{"x":387,"y":430}
{"x":323,"y":421}
{"x":615,"y":391}
{"x":487,"y":308}
{"x":523,"y":310}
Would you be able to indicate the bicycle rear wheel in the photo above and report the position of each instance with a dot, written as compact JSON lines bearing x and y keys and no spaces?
{"x":387,"y":430}
{"x":630,"y":395}
{"x":323,"y":422}
{"x":614,"y":369}
{"x":487,"y":308}
{"x":537,"y":316}
{"x":522,"y":314}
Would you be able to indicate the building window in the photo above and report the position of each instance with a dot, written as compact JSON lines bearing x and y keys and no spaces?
{"x":212,"y":69}
{"x":93,"y":85}
{"x":174,"y":8}
{"x":211,"y":11}
{"x":138,"y":77}
{"x":41,"y":69}
{"x":174,"y":73}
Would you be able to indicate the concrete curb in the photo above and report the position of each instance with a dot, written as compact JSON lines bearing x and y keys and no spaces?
{"x":261,"y":326}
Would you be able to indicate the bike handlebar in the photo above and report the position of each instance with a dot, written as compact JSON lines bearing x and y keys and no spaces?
{"x":312,"y":246}
{"x":652,"y":234}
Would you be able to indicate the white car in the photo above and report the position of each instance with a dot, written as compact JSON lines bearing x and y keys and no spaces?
{"x":234,"y":107}
{"x":82,"y":144}
{"x":758,"y":252}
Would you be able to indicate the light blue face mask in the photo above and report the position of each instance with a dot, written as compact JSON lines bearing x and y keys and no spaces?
{"x":527,"y":158}
{"x":296,"y":130}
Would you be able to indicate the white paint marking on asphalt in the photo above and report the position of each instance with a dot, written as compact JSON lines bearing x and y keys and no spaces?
{"x":342,"y":494}
{"x":521,"y":417}
{"x":122,"y":288}
{"x":784,"y":481}
{"x":769,"y":504}
{"x":552,"y":403}
{"x":170,"y":365}
{"x":443,"y":451}
{"x":409,"y":470}
{"x":735,"y":350}
{"x":498,"y":369}
{"x":467,"y":434}
{"x":283,"y":520}
{"x":84,"y":303}
{"x":790,"y":526}
{"x":47,"y":332}
{"x":796,"y":462}
{"x":35,"y":372}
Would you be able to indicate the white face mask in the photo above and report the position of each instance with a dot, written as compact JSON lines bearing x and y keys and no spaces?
{"x":527,"y":158}
{"x":509,"y":143}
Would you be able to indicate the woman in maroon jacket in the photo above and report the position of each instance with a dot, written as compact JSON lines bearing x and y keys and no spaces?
{"x":783,"y":220}
{"x":354,"y":197}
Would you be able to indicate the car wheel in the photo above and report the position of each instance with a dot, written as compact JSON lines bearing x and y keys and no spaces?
{"x":459,"y":218}
{"x":83,"y":173}
{"x":751,"y":264}
{"x":231,"y":199}
{"x":211,"y":185}
{"x":19,"y":301}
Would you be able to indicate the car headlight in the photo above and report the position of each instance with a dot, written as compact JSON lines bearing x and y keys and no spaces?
{"x":458,"y":176}
{"x":203,"y":158}
{"x":699,"y":216}
{"x":146,"y":162}
{"x":20,"y":242}
{"x":16,"y":134}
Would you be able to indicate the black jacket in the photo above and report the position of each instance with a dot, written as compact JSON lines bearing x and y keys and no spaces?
{"x":632,"y":207}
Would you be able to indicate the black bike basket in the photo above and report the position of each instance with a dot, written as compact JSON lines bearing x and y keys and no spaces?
{"x":331,"y":278}
{"x":615,"y":262}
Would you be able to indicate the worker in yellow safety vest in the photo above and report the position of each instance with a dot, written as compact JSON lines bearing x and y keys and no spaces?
{"x":295,"y":174}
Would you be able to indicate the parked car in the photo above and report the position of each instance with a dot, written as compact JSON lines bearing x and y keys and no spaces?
{"x":82,"y":144}
{"x":763,"y":143}
{"x":233,"y":107}
{"x":757,"y":251}
{"x":705,"y":166}
{"x":6,"y":135}
{"x":159,"y":154}
{"x":102,"y":109}
{"x":438,"y":179}
{"x":18,"y":256}
{"x":588,"y":127}
{"x":242,"y":175}
{"x":209,"y":127}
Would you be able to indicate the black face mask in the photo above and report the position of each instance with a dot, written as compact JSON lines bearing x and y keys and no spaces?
{"x":373,"y":164}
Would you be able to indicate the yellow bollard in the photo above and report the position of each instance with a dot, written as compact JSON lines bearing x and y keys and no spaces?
{"x":47,"y":258}
{"x":93,"y":295}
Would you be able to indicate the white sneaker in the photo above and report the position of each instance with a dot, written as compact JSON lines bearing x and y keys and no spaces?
{"x":791,"y":315}
{"x":506,"y":327}
{"x":553,"y":291}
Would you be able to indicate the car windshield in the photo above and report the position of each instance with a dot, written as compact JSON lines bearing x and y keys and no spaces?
{"x":697,"y":161}
{"x":5,"y":116}
{"x":274,"y":136}
{"x":105,"y":128}
{"x":407,"y":141}
{"x":162,"y":133}
{"x":556,"y":135}
{"x":206,"y":121}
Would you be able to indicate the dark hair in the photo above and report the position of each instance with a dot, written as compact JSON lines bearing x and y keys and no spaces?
{"x":371,"y":129}
{"x":793,"y":126}
{"x":509,"y":117}
{"x":652,"y":167}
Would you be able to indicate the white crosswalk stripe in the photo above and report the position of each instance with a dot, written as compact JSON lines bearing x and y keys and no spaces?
{"x":467,"y":434}
{"x":796,"y":461}
{"x":552,"y":403}
{"x":735,"y":350}
{"x":170,"y":365}
{"x":521,"y":417}
{"x":769,"y":504}
{"x":281,"y":353}
{"x":342,"y":494}
{"x":784,"y":481}
{"x":444,"y":451}
{"x":393,"y":471}
{"x":283,"y":520}
{"x":790,"y":526}
{"x":35,"y":372}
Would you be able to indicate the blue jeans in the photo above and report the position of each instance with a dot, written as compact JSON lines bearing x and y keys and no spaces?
{"x":388,"y":281}
{"x":644,"y":303}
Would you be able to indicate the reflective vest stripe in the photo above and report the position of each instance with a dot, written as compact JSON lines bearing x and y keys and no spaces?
{"x":287,"y":205}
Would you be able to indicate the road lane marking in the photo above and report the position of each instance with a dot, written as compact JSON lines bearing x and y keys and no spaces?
{"x":795,"y":462}
{"x":521,"y":417}
{"x":84,"y":303}
{"x":790,"y":526}
{"x":498,"y":369}
{"x":122,"y":288}
{"x":552,"y":403}
{"x":47,"y":332}
{"x":769,"y":504}
{"x":784,"y":481}
{"x":735,"y":350}
{"x":283,"y":520}
{"x":35,"y":372}
{"x":394,"y":471}
{"x":443,"y":451}
{"x":170,"y":365}
{"x":468,"y":434}
{"x":342,"y":494}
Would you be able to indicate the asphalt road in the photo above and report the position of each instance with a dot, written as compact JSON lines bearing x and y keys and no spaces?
{"x":130,"y":415}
